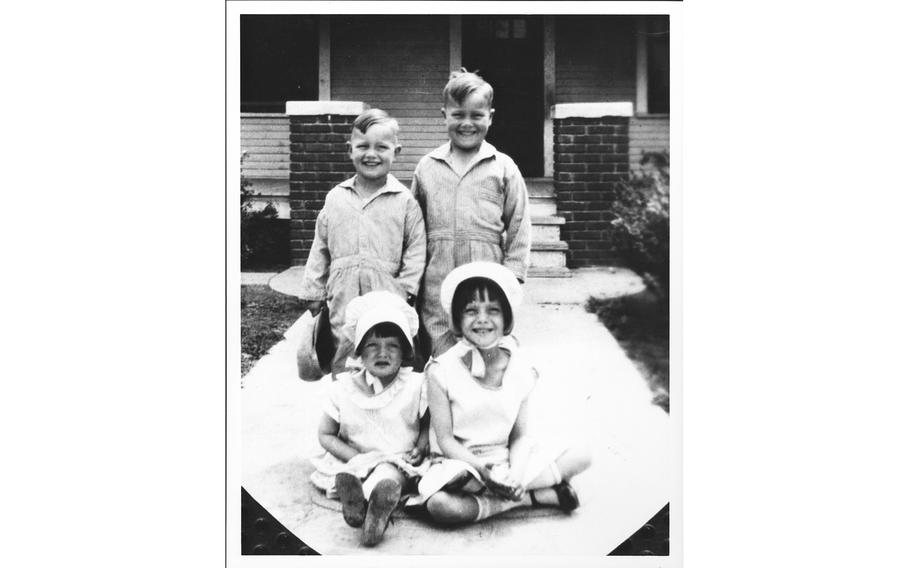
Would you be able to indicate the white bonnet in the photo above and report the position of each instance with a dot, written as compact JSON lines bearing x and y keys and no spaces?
{"x":498,"y":273}
{"x":363,"y":312}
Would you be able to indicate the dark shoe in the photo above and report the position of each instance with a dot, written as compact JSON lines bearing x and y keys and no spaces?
{"x":383,"y":501}
{"x":568,"y":499}
{"x":350,"y":493}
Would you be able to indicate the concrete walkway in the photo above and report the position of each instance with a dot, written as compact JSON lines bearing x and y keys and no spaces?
{"x":589,"y":392}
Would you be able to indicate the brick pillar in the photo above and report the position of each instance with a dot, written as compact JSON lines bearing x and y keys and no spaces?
{"x":591,"y":155}
{"x":319,"y":160}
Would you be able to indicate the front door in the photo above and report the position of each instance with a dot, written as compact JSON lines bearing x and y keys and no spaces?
{"x":507,"y":51}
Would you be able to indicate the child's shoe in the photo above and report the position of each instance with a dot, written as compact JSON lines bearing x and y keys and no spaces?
{"x":350,"y":493}
{"x":568,"y":499}
{"x":383,"y":501}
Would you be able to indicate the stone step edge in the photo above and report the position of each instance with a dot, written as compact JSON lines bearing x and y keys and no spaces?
{"x":549,"y":272}
{"x":547,"y":220}
{"x":549,"y":246}
{"x":540,"y":187}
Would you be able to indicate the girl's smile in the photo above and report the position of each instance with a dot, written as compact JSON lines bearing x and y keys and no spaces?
{"x":482,"y":322}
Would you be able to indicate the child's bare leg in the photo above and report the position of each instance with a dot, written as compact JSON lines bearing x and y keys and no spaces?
{"x":382,"y":471}
{"x":551,"y":487}
{"x":383,"y":488}
{"x":572,"y":462}
{"x":454,"y":508}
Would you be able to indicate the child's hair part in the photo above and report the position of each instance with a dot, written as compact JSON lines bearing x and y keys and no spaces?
{"x":388,"y":329}
{"x":479,"y":287}
{"x":463,"y":83}
{"x":372,"y":117}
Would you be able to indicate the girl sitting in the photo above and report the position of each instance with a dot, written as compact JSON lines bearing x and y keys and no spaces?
{"x":375,"y":428}
{"x":478,"y":395}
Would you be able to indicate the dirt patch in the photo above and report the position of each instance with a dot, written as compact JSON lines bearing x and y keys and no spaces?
{"x":641,"y":324}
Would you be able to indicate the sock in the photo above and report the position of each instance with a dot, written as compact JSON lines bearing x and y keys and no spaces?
{"x":489,"y":505}
{"x":554,"y":469}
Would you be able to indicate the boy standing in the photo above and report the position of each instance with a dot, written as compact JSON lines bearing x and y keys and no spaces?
{"x":474,"y":201}
{"x":369,"y":234}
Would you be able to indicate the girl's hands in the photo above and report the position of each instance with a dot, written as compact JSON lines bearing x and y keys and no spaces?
{"x":501,"y":482}
{"x":417,"y":455}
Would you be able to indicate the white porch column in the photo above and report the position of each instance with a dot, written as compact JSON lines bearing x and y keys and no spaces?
{"x":549,"y":92}
{"x":641,"y":65}
{"x":325,"y":58}
{"x":454,"y":43}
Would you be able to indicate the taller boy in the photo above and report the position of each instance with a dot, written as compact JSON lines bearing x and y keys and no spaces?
{"x":474,"y":200}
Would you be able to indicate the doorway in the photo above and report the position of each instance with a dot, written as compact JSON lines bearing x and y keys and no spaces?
{"x":507,"y":51}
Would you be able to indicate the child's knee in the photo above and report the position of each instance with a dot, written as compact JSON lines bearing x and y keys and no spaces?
{"x":575,"y":461}
{"x":446,"y":508}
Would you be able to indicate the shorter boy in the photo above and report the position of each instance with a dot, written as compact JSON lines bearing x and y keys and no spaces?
{"x":474,"y":200}
{"x":369,"y":234}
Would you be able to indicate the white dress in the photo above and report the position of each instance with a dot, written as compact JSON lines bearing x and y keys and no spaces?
{"x":383,"y":426}
{"x":483,"y":416}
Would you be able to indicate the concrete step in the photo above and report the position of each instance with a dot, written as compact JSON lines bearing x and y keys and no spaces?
{"x":549,"y":272}
{"x":548,"y":254}
{"x":543,"y":206}
{"x":546,"y":228}
{"x":540,"y":187}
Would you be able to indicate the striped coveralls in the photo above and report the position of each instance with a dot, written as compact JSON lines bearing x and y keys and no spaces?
{"x":481,"y":215}
{"x":361,"y":245}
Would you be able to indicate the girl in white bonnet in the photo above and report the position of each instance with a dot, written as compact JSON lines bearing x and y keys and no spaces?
{"x":478,"y":395}
{"x":375,"y":423}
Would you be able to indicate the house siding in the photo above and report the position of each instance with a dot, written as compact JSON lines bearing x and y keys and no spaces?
{"x":399,"y":64}
{"x":265,"y":148}
{"x":648,"y":134}
{"x":595,"y":59}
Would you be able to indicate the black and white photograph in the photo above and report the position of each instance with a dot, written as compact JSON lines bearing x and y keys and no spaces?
{"x":455,"y":281}
{"x":460,"y":318}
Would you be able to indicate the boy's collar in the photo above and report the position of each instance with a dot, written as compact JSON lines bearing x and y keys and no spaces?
{"x":485,"y":151}
{"x":392,"y":185}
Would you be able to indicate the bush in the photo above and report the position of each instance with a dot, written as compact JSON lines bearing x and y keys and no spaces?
{"x":641,"y":224}
{"x":264,"y":238}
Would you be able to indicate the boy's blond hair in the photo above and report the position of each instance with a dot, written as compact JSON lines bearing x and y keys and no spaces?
{"x":463,"y":83}
{"x":372,"y":117}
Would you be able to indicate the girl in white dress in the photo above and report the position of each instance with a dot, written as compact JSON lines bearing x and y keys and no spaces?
{"x":375,"y":427}
{"x":478,"y":397}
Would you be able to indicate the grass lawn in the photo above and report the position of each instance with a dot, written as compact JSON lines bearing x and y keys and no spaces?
{"x":264,"y":317}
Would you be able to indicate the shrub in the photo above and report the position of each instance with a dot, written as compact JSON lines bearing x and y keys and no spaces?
{"x":264,"y":238}
{"x":641,"y":224}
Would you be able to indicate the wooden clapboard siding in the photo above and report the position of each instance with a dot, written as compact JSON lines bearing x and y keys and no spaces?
{"x":399,"y":64}
{"x":648,"y":134}
{"x":265,"y":144}
{"x":264,"y":139}
{"x":595,"y":59}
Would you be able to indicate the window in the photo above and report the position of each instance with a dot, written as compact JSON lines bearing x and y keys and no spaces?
{"x":658,"y":32}
{"x":502,"y":28}
{"x":279,"y":61}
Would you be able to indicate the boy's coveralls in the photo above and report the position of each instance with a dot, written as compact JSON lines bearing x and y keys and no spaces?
{"x":362,"y":245}
{"x":482,"y":215}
